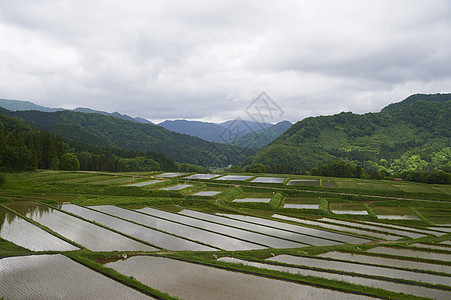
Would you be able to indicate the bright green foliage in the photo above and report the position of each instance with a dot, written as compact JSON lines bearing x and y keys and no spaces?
{"x":413,"y":135}
{"x":370,"y":211}
{"x":69,"y":162}
{"x":324,"y":205}
{"x":258,"y":168}
{"x":277,"y":200}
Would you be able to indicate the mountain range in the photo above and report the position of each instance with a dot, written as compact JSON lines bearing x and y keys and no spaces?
{"x":413,"y":134}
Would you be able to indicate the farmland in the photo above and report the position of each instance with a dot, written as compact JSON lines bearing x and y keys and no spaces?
{"x":193,"y":236}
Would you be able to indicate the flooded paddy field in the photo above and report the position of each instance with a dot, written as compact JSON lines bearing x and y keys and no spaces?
{"x":207,"y":193}
{"x":321,"y":234}
{"x":89,"y":235}
{"x":339,"y":228}
{"x":242,"y":233}
{"x":57,"y":277}
{"x":170,"y":175}
{"x":428,"y":246}
{"x":422,"y":231}
{"x":389,"y":262}
{"x":154,"y":237}
{"x":184,"y":229}
{"x":374,"y":227}
{"x":252,"y":200}
{"x":304,"y":182}
{"x":234,"y":177}
{"x":194,"y":281}
{"x":348,"y":209}
{"x":362,"y":269}
{"x":386,"y":284}
{"x":25,"y":234}
{"x":411,"y":253}
{"x":298,"y":236}
{"x":176,"y":187}
{"x":203,"y":176}
{"x":145,"y":183}
{"x":269,"y":179}
{"x":301,"y":206}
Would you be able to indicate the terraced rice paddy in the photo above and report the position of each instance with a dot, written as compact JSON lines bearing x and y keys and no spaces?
{"x":428,"y":246}
{"x":202,"y":176}
{"x":374,"y":227}
{"x":378,"y":235}
{"x":194,"y":281}
{"x":144,"y":183}
{"x":300,"y":235}
{"x":84,"y":233}
{"x":234,"y":177}
{"x":181,"y":227}
{"x":387,"y":284}
{"x":170,"y":175}
{"x":348,"y":209}
{"x":254,"y":200}
{"x":176,"y":187}
{"x":302,"y":206}
{"x":243,"y":233}
{"x":57,"y":277}
{"x":411,"y":253}
{"x":269,"y":180}
{"x":317,"y":233}
{"x":389,"y":262}
{"x":25,"y":234}
{"x":207,"y":193}
{"x":304,"y":182}
{"x":154,"y":237}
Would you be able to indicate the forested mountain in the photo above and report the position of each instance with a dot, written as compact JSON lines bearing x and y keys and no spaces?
{"x":98,"y":129}
{"x":260,"y":138}
{"x":19,"y":105}
{"x":23,"y":147}
{"x":411,"y":135}
{"x":225,"y":132}
{"x":204,"y":130}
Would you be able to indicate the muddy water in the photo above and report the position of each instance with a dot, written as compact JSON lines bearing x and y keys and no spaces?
{"x":298,"y":236}
{"x":84,"y":233}
{"x":372,"y":227}
{"x":382,"y":284}
{"x":255,"y":237}
{"x":398,"y":263}
{"x":25,"y":234}
{"x":397,"y":217}
{"x":197,"y":234}
{"x":436,"y":247}
{"x":411,"y":253}
{"x":193,"y":281}
{"x":151,"y":236}
{"x":322,"y":234}
{"x":57,"y":277}
{"x":362,"y":269}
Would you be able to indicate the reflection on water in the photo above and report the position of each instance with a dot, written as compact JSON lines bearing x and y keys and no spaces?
{"x":25,"y":234}
{"x":193,"y":281}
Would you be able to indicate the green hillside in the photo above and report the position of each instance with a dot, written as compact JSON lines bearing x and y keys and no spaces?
{"x":104,"y":130}
{"x":260,"y":138}
{"x":411,"y":135}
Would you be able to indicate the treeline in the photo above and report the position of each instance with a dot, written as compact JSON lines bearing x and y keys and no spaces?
{"x":24,"y":148}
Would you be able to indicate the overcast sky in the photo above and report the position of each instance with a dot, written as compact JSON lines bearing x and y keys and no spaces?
{"x":208,"y":60}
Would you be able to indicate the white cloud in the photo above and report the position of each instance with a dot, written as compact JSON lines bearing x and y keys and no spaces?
{"x":207,"y":60}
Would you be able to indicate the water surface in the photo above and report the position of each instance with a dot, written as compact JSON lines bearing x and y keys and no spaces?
{"x":176,"y":187}
{"x":254,"y":200}
{"x":193,"y":281}
{"x":57,"y":277}
{"x":411,"y":253}
{"x":203,"y":176}
{"x":206,"y":193}
{"x":234,"y":177}
{"x":302,"y":206}
{"x":269,"y":180}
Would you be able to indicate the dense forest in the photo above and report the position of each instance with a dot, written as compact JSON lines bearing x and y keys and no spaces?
{"x":108,"y":131}
{"x":413,"y":135}
{"x":25,"y":148}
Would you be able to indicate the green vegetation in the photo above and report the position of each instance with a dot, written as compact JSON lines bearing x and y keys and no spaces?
{"x":277,"y":200}
{"x":413,"y":136}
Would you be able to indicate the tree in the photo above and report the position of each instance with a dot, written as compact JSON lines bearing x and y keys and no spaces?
{"x":258,"y":168}
{"x":69,"y":162}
